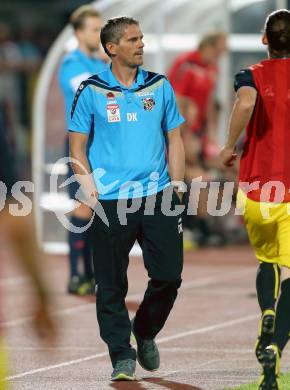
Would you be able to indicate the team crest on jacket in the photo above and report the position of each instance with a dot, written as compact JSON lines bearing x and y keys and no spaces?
{"x":110,"y":95}
{"x":148,"y":104}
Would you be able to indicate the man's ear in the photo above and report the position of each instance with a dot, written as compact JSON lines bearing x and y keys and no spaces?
{"x":265,"y":39}
{"x":78,"y":34}
{"x":111,"y":47}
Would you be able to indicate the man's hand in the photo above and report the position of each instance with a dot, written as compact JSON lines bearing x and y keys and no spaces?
{"x":91,"y":196}
{"x":228,"y":156}
{"x":87,"y":192}
{"x":241,"y":115}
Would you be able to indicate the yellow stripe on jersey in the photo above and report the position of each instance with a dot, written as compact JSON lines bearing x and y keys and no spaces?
{"x":277,"y":281}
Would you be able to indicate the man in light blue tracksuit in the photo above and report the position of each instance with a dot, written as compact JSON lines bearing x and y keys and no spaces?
{"x":76,"y":67}
{"x":128,"y":119}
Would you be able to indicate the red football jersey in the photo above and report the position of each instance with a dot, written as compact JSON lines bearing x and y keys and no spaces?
{"x":267,"y":145}
{"x":194,"y":79}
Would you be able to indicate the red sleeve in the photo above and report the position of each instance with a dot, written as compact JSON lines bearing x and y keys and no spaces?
{"x":173,"y":70}
{"x":183,"y":87}
{"x":176,"y":70}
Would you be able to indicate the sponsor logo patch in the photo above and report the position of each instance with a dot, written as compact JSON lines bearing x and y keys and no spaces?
{"x":110,"y":95}
{"x":148,"y":104}
{"x":113,"y":113}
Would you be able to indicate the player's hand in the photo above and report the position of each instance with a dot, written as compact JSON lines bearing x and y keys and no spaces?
{"x":93,"y":199}
{"x":228,"y":156}
{"x":87,"y":194}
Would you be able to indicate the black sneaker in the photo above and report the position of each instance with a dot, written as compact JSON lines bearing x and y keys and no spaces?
{"x":147,"y":352}
{"x":270,"y":361}
{"x":267,"y":325}
{"x":124,"y":370}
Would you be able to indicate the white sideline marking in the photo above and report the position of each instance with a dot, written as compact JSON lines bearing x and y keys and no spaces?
{"x":160,"y":374}
{"x":191,"y":350}
{"x":206,"y":329}
{"x":64,"y":364}
{"x":207,"y":363}
{"x":67,"y":311}
{"x":50,"y":348}
{"x":203,"y":282}
{"x":164,"y":349}
{"x":168,"y":373}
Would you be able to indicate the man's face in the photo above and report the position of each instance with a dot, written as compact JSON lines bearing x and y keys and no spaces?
{"x":129,"y":50}
{"x":89,"y":34}
{"x":212,"y":53}
{"x":221,"y":46}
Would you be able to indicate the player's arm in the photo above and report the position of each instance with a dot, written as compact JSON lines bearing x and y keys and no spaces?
{"x":176,"y":157}
{"x":80,"y":125}
{"x":241,"y":114}
{"x":189,"y":111}
{"x":172,"y":120}
{"x":186,"y":105}
{"x":81,"y":166}
{"x":211,"y":126}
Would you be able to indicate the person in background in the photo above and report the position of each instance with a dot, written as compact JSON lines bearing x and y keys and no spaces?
{"x":262,"y":106}
{"x":193,"y":76}
{"x":76,"y":67}
{"x":21,"y":232}
{"x":10,"y":65}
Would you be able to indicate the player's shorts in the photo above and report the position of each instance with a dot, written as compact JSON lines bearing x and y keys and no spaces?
{"x":3,"y":366}
{"x":268,"y":226}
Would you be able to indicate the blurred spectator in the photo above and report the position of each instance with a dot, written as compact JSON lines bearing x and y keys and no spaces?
{"x":44,"y":37}
{"x":76,"y":67}
{"x":194,"y":76}
{"x":19,"y":59}
{"x":30,"y":63}
{"x":20,"y":231}
{"x":10,"y":59}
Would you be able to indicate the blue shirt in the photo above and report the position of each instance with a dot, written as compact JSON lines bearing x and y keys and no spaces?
{"x":129,"y":131}
{"x":76,"y":67}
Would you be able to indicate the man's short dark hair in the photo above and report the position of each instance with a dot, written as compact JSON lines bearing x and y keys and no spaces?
{"x":78,"y":17}
{"x":113,"y":30}
{"x":277,"y":29}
